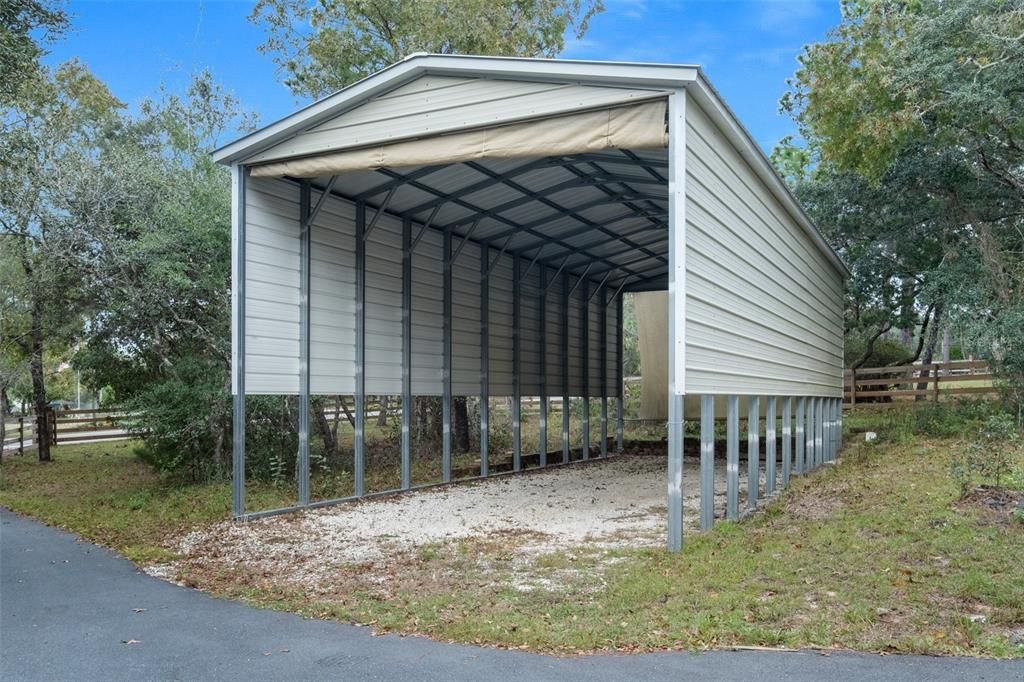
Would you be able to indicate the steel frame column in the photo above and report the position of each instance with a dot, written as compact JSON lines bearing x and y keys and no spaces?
{"x":542,"y":333}
{"x":305,"y":243}
{"x":565,"y":368}
{"x":485,"y":361}
{"x":238,"y":196}
{"x":732,"y":458}
{"x":446,"y":371}
{"x":811,"y":457}
{"x":787,"y":439}
{"x":800,"y":439}
{"x":585,"y":293}
{"x":676,"y":313}
{"x":753,"y":451}
{"x":620,"y":380}
{"x":359,"y":464}
{"x":819,"y":429}
{"x":516,"y":389}
{"x":707,"y":462}
{"x":770,"y":416}
{"x":407,"y":408}
{"x":603,"y":317}
{"x":839,"y":426}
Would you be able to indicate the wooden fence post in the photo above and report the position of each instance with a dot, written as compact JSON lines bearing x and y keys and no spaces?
{"x":21,"y":435}
{"x":853,"y":386}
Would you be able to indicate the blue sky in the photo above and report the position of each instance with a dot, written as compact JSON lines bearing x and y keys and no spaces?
{"x":748,"y":48}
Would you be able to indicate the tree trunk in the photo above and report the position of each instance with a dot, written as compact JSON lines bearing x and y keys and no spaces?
{"x":382,"y":411}
{"x":35,"y":366}
{"x":3,"y":416}
{"x":328,"y":435}
{"x":929,"y":351}
{"x":460,"y":424}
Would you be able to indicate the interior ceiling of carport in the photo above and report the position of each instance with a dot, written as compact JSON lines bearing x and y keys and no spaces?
{"x":604,"y":215}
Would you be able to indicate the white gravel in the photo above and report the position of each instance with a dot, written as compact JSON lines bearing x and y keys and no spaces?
{"x":619,"y":502}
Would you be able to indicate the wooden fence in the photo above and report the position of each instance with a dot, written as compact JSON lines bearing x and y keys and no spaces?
{"x":66,"y":426}
{"x":893,"y":386}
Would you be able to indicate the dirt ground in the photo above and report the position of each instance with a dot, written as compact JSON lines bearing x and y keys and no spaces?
{"x":605,"y":504}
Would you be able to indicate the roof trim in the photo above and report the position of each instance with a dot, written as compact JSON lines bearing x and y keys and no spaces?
{"x":625,"y":74}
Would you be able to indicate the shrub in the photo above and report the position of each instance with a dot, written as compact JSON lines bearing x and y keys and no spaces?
{"x":989,"y":457}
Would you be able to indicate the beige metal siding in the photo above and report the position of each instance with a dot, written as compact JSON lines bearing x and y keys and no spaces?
{"x":764,"y":305}
{"x":271,"y":287}
{"x":272,"y":308}
{"x":432,"y":105}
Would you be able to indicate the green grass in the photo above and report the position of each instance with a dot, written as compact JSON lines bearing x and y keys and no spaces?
{"x":104,"y":493}
{"x":875,"y":553}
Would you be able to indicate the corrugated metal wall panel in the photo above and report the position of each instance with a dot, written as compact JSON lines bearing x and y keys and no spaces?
{"x":466,"y":320}
{"x":272,"y":307}
{"x":764,"y":306}
{"x":424,"y":106}
{"x":332,"y":345}
{"x":271,"y":287}
{"x":427,"y":314}
{"x":500,"y":325}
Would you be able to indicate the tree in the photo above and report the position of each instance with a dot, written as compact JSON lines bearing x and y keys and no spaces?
{"x":155,"y":215}
{"x":25,"y":26}
{"x":321,"y":46}
{"x":914,"y":163}
{"x":50,"y":131}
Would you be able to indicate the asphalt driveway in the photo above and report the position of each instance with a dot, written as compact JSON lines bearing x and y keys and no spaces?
{"x":72,"y":611}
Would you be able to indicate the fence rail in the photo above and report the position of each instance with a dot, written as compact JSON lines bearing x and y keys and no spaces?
{"x":893,"y":386}
{"x":65,"y":426}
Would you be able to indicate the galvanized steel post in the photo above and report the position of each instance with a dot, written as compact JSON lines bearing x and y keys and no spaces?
{"x":446,"y":372}
{"x":565,"y":368}
{"x":585,"y":295}
{"x":800,"y":442}
{"x":620,"y":410}
{"x":238,"y":197}
{"x":604,"y":368}
{"x":542,"y":326}
{"x":407,"y":408}
{"x":732,"y":458}
{"x":787,"y":439}
{"x":485,"y":342}
{"x":707,"y":462}
{"x":359,"y":464}
{"x":516,"y":388}
{"x":753,"y":450}
{"x":305,"y":244}
{"x":676,"y":312}
{"x":769,"y":446}
{"x":811,"y":457}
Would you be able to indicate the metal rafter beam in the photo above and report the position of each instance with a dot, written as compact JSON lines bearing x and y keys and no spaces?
{"x":485,"y":213}
{"x":555,"y":206}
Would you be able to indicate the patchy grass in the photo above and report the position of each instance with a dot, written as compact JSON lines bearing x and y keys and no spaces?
{"x":104,"y":493}
{"x":875,"y":553}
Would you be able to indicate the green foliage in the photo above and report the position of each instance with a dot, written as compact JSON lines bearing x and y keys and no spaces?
{"x":325,"y":45}
{"x":25,"y":26}
{"x":990,"y":456}
{"x":884,"y":353}
{"x":911,"y":116}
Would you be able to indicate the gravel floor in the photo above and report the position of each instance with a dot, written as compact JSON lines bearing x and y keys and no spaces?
{"x":618,"y":502}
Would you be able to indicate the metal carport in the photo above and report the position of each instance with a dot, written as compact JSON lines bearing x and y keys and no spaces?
{"x":504,"y":205}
